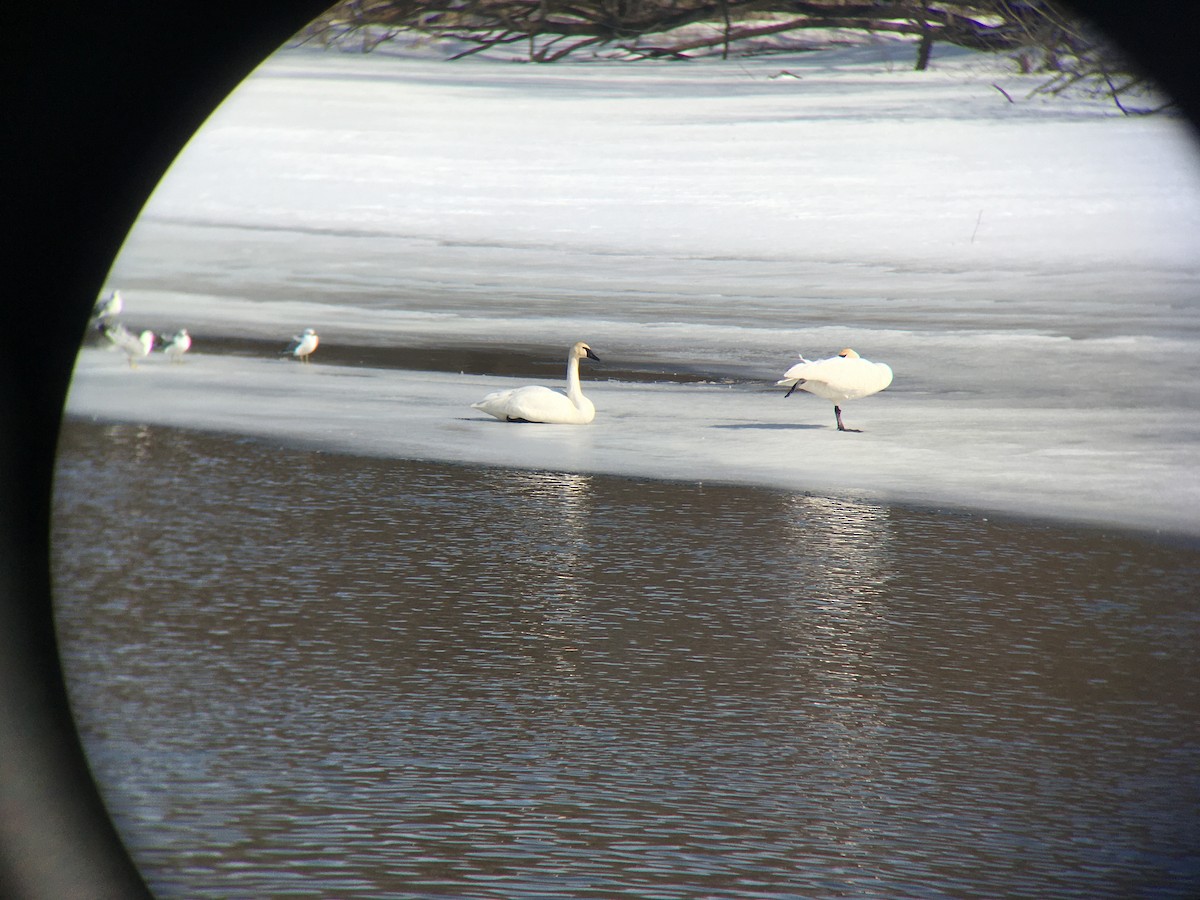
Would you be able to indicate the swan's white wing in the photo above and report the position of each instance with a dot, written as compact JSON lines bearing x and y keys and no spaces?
{"x":494,"y":404}
{"x":535,"y":404}
{"x":792,"y":375}
{"x":838,"y":378}
{"x":541,"y":404}
{"x":809,"y":370}
{"x":813,"y":370}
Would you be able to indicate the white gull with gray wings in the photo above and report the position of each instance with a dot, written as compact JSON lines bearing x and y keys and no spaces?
{"x":303,"y":345}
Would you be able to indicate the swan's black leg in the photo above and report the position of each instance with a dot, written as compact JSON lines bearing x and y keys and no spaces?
{"x":837,"y":411}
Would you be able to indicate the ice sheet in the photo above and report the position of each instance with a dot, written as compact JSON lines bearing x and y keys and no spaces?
{"x":971,"y":451}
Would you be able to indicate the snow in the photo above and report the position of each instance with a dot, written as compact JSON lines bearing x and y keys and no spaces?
{"x":1028,"y":269}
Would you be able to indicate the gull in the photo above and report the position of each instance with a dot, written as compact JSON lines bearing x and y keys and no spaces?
{"x":135,"y":348}
{"x":108,"y":307}
{"x":303,"y":345}
{"x":535,"y":403}
{"x":177,"y":345}
{"x":846,"y":376}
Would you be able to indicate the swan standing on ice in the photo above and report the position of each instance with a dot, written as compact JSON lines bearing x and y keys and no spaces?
{"x":846,"y":376}
{"x":541,"y":404}
{"x":178,"y":345}
{"x":303,"y":345}
{"x":135,"y":347}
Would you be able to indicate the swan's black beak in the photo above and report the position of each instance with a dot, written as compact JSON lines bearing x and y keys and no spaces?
{"x":590,"y":354}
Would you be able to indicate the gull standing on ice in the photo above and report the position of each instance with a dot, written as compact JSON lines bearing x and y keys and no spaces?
{"x":135,"y":347}
{"x":846,"y":376}
{"x":303,"y":345}
{"x":178,"y":345}
{"x":541,"y":404}
{"x":108,"y":307}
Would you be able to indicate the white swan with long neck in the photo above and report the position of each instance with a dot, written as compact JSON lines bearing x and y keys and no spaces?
{"x":541,"y":404}
{"x":846,"y":376}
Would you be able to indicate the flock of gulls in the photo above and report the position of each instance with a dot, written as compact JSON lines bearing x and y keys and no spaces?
{"x":136,"y":346}
{"x":139,"y":346}
{"x":838,"y":379}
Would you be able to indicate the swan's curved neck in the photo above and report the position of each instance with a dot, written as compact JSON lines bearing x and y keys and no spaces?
{"x":574,"y":391}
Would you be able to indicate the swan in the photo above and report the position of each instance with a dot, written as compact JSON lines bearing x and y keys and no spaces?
{"x":303,"y":345}
{"x":178,"y":345}
{"x":846,"y":376}
{"x":541,"y":404}
{"x":135,"y":347}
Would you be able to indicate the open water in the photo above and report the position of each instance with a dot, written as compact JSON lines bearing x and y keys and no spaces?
{"x":302,"y":674}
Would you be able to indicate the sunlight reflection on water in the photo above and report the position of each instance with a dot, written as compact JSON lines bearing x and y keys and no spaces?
{"x":303,"y":674}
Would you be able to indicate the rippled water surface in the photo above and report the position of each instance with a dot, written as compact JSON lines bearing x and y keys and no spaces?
{"x":303,"y":674}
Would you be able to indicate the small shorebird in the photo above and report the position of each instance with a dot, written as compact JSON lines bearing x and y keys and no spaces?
{"x":303,"y":345}
{"x":108,"y":307}
{"x":178,"y":345}
{"x":135,"y":348}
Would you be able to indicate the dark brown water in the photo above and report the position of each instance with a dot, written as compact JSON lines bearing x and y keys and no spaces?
{"x":301,"y":674}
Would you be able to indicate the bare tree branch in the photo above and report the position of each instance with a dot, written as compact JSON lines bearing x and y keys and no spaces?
{"x":1039,"y":34}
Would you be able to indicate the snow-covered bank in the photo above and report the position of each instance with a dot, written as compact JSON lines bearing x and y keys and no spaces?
{"x":851,"y":162}
{"x":971,"y":452}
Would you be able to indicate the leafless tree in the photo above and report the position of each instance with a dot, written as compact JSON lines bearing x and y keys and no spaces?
{"x":1038,"y":34}
{"x":1075,"y":56}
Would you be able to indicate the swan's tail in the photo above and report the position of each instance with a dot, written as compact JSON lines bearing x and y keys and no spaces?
{"x":794,"y":384}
